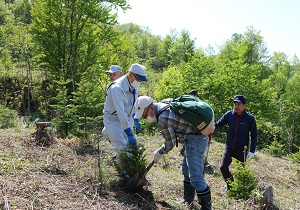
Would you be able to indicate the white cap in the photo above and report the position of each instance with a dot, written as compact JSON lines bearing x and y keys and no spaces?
{"x":141,"y":103}
{"x":139,"y":70}
{"x":114,"y":68}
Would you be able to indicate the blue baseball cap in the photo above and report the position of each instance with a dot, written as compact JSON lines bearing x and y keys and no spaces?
{"x":239,"y":99}
{"x":140,"y":71}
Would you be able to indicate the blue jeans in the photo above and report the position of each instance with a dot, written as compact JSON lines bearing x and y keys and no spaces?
{"x":193,"y":161}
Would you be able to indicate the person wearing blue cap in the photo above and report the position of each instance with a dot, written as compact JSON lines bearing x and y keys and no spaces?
{"x":119,"y":109}
{"x":240,"y":123}
{"x":114,"y":73}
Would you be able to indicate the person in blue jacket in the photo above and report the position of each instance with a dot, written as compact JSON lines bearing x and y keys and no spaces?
{"x":240,"y":124}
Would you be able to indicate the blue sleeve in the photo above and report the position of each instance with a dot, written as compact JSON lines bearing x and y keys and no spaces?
{"x":253,"y":130}
{"x":223,"y":120}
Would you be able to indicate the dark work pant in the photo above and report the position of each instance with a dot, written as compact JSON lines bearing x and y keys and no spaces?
{"x":227,"y":159}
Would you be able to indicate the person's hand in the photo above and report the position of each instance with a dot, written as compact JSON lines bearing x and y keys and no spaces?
{"x":250,"y":154}
{"x":130,"y":136}
{"x":157,"y":156}
{"x":132,"y":140}
{"x":138,"y":126}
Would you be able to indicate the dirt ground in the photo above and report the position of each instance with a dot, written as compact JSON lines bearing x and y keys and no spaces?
{"x":62,"y":175}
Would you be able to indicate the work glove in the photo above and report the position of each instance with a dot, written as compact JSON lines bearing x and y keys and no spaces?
{"x":250,"y":154}
{"x":130,"y":136}
{"x":157,"y":156}
{"x":138,"y":126}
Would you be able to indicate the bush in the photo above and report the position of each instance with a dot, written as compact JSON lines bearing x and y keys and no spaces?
{"x":133,"y":161}
{"x":244,"y":181}
{"x":295,"y":157}
{"x":7,"y":117}
{"x":276,"y":149}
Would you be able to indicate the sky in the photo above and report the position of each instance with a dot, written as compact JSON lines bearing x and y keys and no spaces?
{"x":212,"y":22}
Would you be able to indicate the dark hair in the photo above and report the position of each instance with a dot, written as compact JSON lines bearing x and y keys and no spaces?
{"x":193,"y":93}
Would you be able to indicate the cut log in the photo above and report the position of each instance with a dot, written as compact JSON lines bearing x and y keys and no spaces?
{"x":44,"y":134}
{"x":268,"y":196}
{"x":41,"y":127}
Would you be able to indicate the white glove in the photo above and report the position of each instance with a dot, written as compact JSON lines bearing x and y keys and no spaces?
{"x":250,"y":154}
{"x":157,"y":156}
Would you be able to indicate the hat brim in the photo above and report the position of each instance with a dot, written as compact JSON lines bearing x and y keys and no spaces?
{"x":141,"y":78}
{"x":236,"y":100}
{"x":138,"y":114}
{"x":110,"y":71}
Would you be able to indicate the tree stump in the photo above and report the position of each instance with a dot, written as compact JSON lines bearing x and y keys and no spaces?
{"x":44,"y":133}
{"x":268,"y":196}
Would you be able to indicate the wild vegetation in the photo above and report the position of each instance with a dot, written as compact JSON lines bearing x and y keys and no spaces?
{"x":65,"y":176}
{"x":54,"y":56}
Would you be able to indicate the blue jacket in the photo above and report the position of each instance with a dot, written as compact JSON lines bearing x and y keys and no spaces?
{"x":238,"y":130}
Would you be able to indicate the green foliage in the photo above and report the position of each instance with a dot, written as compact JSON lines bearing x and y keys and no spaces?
{"x":22,"y":11}
{"x":239,"y":70}
{"x":183,"y":48}
{"x":87,"y":104}
{"x":181,"y":79}
{"x":59,"y":51}
{"x":7,"y":117}
{"x":133,"y":161}
{"x":149,"y":129}
{"x":170,"y":85}
{"x":70,"y":38}
{"x":103,"y":178}
{"x":295,"y":157}
{"x":276,"y":149}
{"x":244,"y":183}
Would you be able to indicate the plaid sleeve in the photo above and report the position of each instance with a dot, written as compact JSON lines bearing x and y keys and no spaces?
{"x":168,"y":132}
{"x":172,"y":127}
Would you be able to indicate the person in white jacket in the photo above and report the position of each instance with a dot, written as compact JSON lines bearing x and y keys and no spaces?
{"x":114,"y":72}
{"x":119,"y":109}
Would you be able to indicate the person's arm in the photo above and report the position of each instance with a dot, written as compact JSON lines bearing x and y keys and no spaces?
{"x":119,"y":99}
{"x":223,"y":120}
{"x":170,"y":140}
{"x":137,"y":124}
{"x":165,"y":123}
{"x":118,"y":96}
{"x":253,"y":130}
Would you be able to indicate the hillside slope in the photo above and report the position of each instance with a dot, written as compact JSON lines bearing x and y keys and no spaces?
{"x":61,"y":176}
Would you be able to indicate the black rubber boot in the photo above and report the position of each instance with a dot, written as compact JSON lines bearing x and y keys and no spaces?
{"x":228,"y":182}
{"x":188,"y":192}
{"x":204,"y":199}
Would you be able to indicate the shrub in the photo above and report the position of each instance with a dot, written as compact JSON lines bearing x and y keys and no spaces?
{"x":133,"y":161}
{"x":295,"y":157}
{"x":244,"y":181}
{"x":7,"y":117}
{"x":276,"y":149}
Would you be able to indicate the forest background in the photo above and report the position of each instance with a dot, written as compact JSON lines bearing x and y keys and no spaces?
{"x":54,"y":56}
